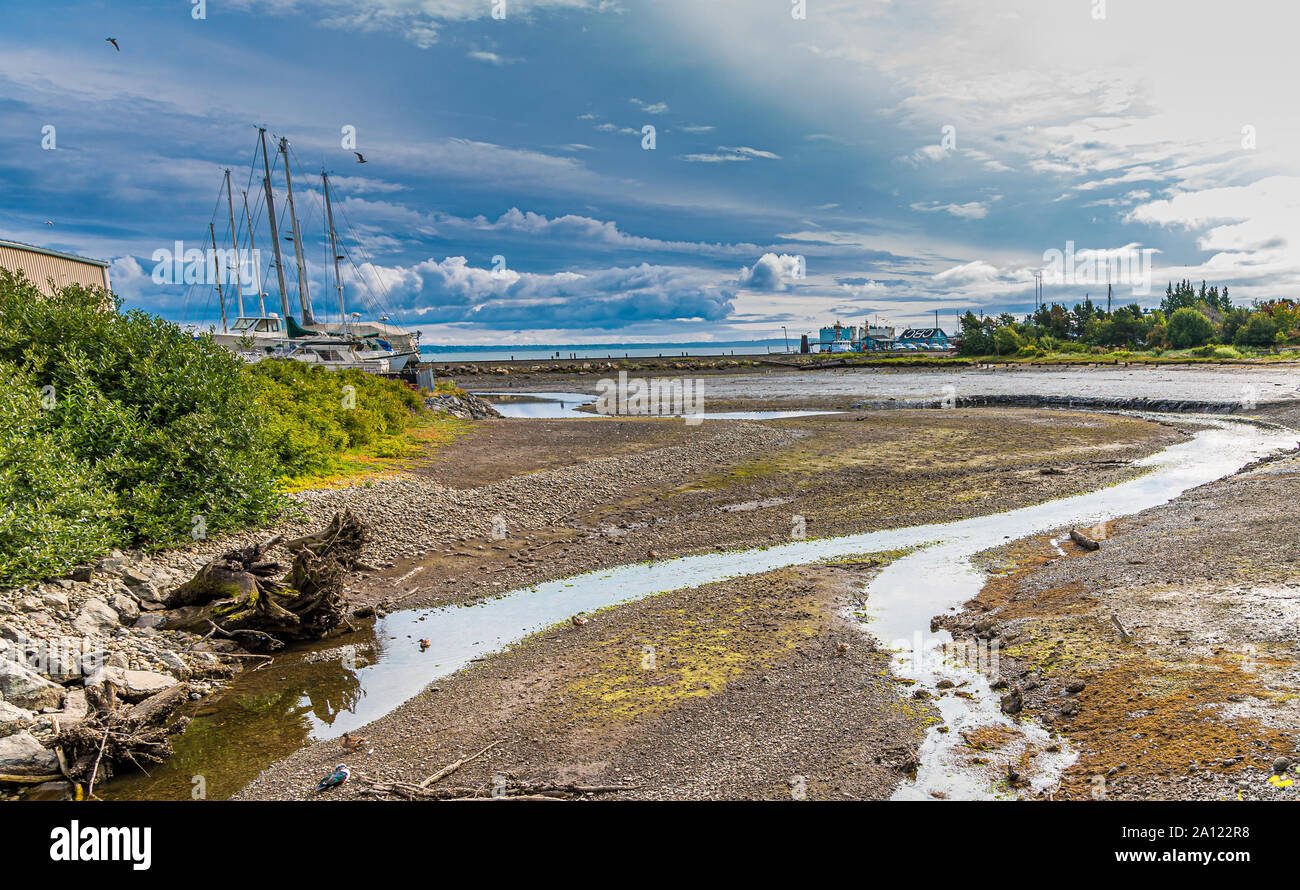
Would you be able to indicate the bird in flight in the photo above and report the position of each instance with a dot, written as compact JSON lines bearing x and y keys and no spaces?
{"x":113,"y":40}
{"x":361,"y":159}
{"x":49,"y":222}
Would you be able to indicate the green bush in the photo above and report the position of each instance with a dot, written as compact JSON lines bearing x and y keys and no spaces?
{"x":55,"y":509}
{"x":169,"y":424}
{"x":1188,"y":328}
{"x":316,"y":414}
{"x":1259,"y":330}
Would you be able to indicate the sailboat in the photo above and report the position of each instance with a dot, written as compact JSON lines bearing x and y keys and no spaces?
{"x":353,"y":342}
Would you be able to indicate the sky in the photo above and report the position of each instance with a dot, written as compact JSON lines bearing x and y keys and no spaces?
{"x":811,"y":161}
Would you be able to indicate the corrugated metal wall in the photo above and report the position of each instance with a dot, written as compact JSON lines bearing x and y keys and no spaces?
{"x":41,"y":268}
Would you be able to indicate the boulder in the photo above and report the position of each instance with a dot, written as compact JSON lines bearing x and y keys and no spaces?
{"x":75,"y":708}
{"x":126,"y":608}
{"x":150,"y":619}
{"x":96,"y":617}
{"x":22,"y":755}
{"x":19,"y":685}
{"x":57,"y":601}
{"x":132,"y":686}
{"x":13,"y":718}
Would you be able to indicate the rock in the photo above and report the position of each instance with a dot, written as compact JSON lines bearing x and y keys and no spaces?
{"x":75,"y":708}
{"x":59,"y":790}
{"x":175,"y":665}
{"x":96,"y":617}
{"x":150,"y":620}
{"x":1075,"y":686}
{"x":19,"y":685}
{"x":132,"y":686}
{"x":112,"y":564}
{"x":65,"y":583}
{"x":83,"y":574}
{"x":1013,"y":702}
{"x":14,"y":718}
{"x":22,"y":755}
{"x":57,"y":601}
{"x":150,"y":597}
{"x":126,"y":608}
{"x":1281,"y":765}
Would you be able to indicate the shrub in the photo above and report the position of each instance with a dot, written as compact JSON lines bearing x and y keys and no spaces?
{"x":1260,"y":330}
{"x":1188,"y":328}
{"x":169,"y":423}
{"x":316,"y":414}
{"x":55,"y":509}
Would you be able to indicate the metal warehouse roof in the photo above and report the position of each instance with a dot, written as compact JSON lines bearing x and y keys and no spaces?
{"x":32,"y":248}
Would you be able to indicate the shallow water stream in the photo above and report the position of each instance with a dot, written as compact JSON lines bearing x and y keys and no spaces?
{"x":338,"y":687}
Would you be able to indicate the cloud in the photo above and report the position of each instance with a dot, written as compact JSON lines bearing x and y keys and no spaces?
{"x":419,"y":21}
{"x":650,"y":107}
{"x":772,"y":272}
{"x":490,"y":58}
{"x":452,"y":291}
{"x":969,"y":210}
{"x":736,"y":153}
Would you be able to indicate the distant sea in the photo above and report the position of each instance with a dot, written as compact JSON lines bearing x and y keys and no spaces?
{"x":533,"y":352}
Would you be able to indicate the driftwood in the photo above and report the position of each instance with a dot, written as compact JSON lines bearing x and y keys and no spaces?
{"x":1124,"y":635}
{"x":510,"y":791}
{"x":239,"y":597}
{"x":114,"y":736}
{"x":452,"y":767}
{"x":1083,"y":540}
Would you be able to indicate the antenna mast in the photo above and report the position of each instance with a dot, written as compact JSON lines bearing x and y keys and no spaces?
{"x":257,"y":273}
{"x":216,"y":268}
{"x":304,"y":297}
{"x":334,"y":246}
{"x":275,"y":228}
{"x":234,"y":243}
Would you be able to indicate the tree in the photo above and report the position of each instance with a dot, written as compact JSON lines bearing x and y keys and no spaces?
{"x":1259,"y":331}
{"x":1188,"y":328}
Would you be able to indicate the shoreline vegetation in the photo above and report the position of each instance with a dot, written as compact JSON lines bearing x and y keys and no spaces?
{"x":123,"y":431}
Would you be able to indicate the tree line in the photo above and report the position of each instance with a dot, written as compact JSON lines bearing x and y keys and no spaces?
{"x":1187,"y":318}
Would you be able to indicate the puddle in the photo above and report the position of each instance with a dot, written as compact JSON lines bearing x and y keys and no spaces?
{"x":554,"y":405}
{"x":267,"y":714}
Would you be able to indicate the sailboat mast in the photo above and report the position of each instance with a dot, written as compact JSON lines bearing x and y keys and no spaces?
{"x":257,"y":273}
{"x":304,"y":296}
{"x":234,"y":243}
{"x":334,"y":246}
{"x":275,"y":229}
{"x":216,"y":268}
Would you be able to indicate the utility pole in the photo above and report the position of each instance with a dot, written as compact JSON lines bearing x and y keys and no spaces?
{"x":787,"y":338}
{"x":221,"y":297}
{"x":275,"y":227}
{"x":257,"y":273}
{"x":304,"y":296}
{"x":234,"y":243}
{"x":334,"y":247}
